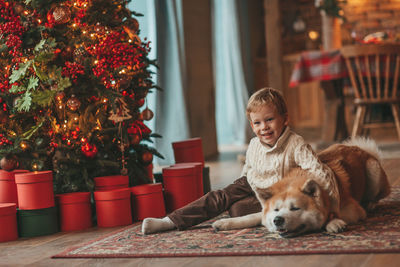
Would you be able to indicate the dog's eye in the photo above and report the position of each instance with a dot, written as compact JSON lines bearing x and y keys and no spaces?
{"x":294,"y":208}
{"x":276,"y":209}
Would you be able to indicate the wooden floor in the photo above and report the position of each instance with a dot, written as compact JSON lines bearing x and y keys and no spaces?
{"x":38,"y":251}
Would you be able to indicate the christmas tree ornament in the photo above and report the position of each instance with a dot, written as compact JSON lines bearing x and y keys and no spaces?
{"x":73,"y":103}
{"x":131,"y":27}
{"x":61,"y":14}
{"x":60,"y":96}
{"x":90,"y":151}
{"x":19,"y":9}
{"x":9,"y":162}
{"x":140,"y":102}
{"x":147,"y":157}
{"x":134,"y":139}
{"x":122,"y":112}
{"x":79,"y":54}
{"x":147,"y":114}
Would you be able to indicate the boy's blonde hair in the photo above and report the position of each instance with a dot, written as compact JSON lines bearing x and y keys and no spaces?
{"x":266,"y":96}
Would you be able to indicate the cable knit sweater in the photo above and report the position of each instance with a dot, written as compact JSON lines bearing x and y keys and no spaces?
{"x":267,"y":165}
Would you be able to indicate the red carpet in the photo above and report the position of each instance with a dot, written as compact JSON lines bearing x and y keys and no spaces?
{"x":380,"y":233}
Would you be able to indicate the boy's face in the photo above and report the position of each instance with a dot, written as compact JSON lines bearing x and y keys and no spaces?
{"x":268,"y":124}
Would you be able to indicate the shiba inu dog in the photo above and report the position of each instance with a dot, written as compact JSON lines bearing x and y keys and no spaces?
{"x":298,"y":204}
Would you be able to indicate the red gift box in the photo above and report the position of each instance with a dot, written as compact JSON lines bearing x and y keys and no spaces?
{"x":111,"y":182}
{"x":113,"y":207}
{"x":147,"y":201}
{"x":75,"y":211}
{"x":8,"y":222}
{"x":35,"y":190}
{"x":199,"y":169}
{"x":190,"y":150}
{"x":8,"y":188}
{"x":180,"y":186}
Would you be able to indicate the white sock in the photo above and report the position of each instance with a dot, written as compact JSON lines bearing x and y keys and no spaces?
{"x":154,"y":225}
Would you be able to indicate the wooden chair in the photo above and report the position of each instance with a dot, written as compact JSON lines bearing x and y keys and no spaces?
{"x":374,"y":75}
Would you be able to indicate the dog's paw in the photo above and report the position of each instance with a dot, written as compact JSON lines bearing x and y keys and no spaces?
{"x":222,"y":224}
{"x":336,"y":226}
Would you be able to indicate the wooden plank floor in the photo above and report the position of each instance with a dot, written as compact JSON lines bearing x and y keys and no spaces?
{"x":38,"y":251}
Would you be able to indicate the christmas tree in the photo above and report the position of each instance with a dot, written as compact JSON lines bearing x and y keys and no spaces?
{"x":74,"y":81}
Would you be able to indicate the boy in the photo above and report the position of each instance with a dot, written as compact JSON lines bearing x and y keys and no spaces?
{"x":271,"y":154}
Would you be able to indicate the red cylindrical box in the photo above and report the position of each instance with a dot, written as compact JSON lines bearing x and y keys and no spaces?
{"x":8,"y":222}
{"x":111,"y":182}
{"x":199,"y":169}
{"x":147,"y":201}
{"x":8,"y":188}
{"x":113,"y":207}
{"x":180,"y":186}
{"x":190,"y":150}
{"x":35,"y":190}
{"x":75,"y":211}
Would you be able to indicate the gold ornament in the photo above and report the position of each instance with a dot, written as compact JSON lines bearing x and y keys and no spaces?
{"x":80,"y":54}
{"x":61,"y":14}
{"x":73,"y":103}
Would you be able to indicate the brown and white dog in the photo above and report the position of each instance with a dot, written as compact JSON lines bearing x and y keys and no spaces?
{"x":298,"y":204}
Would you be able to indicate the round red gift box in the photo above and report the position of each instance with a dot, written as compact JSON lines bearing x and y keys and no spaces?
{"x":113,"y":207}
{"x":8,"y":222}
{"x":111,"y":182}
{"x":35,"y":190}
{"x":75,"y":211}
{"x":147,"y":201}
{"x":190,"y":150}
{"x":180,"y":186}
{"x":8,"y":188}
{"x":199,"y":169}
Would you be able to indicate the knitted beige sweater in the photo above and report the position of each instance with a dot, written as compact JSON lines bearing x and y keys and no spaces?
{"x":266,"y":165}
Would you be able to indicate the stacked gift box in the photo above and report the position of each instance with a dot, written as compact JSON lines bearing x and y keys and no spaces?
{"x":28,"y":207}
{"x":37,"y":212}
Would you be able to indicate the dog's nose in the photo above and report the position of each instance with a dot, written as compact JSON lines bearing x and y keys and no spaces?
{"x":278,"y":221}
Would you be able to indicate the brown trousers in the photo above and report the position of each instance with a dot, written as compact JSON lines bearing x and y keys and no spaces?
{"x":237,"y":198}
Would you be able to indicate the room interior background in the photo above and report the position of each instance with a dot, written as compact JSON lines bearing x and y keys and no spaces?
{"x":213,"y":54}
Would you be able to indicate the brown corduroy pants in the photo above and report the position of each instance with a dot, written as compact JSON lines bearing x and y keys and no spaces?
{"x":237,"y":198}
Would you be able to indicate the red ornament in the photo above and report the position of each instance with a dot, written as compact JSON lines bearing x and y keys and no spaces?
{"x":140,"y":102}
{"x":89,"y":150}
{"x":73,"y":103}
{"x":147,"y":157}
{"x":135,"y":139}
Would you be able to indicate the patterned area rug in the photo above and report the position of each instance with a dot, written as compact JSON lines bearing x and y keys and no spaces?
{"x":380,"y":233}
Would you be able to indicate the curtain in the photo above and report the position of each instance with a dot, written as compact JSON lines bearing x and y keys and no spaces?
{"x":232,"y":70}
{"x":162,"y":24}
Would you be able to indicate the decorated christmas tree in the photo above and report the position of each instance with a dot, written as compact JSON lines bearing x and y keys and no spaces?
{"x":74,"y":81}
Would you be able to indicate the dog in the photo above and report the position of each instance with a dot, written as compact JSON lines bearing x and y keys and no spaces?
{"x":298,"y":204}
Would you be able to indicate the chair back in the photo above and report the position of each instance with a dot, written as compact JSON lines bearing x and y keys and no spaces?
{"x":374,"y":72}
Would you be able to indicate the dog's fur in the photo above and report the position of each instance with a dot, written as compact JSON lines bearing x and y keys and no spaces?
{"x":298,"y":204}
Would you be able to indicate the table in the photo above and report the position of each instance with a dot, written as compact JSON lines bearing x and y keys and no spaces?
{"x":329,"y":68}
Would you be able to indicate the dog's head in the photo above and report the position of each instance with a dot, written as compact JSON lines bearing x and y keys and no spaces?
{"x":294,"y":205}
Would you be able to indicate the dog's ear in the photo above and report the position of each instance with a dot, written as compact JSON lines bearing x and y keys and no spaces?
{"x":311,"y":188}
{"x":264,"y":193}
